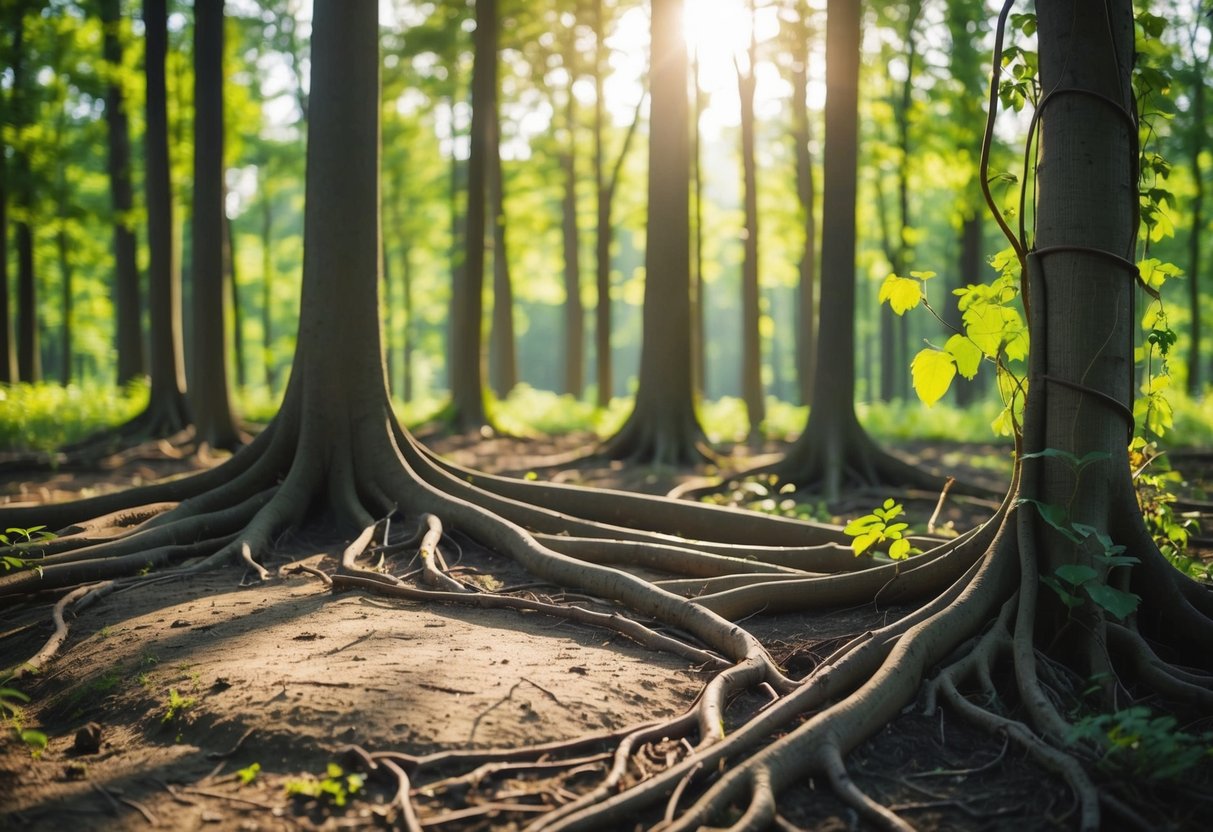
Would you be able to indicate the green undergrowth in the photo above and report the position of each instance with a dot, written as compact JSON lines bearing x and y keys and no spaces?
{"x":42,"y":417}
{"x":45,"y":416}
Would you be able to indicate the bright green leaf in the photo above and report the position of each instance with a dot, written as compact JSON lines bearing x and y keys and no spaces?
{"x":900,"y":550}
{"x":902,"y":293}
{"x":932,"y":372}
{"x":967,"y":355}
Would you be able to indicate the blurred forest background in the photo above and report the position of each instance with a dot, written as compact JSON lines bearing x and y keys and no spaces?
{"x":572,"y":116}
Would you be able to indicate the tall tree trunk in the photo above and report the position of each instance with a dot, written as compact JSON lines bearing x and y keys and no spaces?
{"x":574,"y":310}
{"x":8,"y":352}
{"x":663,"y":428}
{"x":406,"y":301}
{"x":65,"y":333}
{"x":166,"y":399}
{"x":467,"y":342}
{"x":751,"y":306}
{"x":28,"y":359}
{"x":806,"y":191}
{"x":699,"y":289}
{"x":233,"y":284}
{"x":267,"y":292}
{"x":970,"y":270}
{"x":128,"y":336}
{"x":1196,"y":143}
{"x":603,"y":376}
{"x":209,"y":395}
{"x":504,"y":350}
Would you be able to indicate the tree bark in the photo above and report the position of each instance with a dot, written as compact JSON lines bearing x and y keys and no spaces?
{"x":28,"y":364}
{"x":574,"y":309}
{"x":1196,"y":143}
{"x":504,"y":349}
{"x":806,"y":191}
{"x":233,"y":287}
{"x":466,"y":339}
{"x":751,"y":306}
{"x":267,"y":291}
{"x":208,"y":384}
{"x":663,"y":428}
{"x":128,"y":336}
{"x":8,"y":352}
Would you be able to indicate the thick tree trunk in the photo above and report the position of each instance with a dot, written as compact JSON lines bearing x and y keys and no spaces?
{"x":8,"y":352}
{"x":29,"y":354}
{"x":65,"y":305}
{"x":128,"y":336}
{"x":467,"y":343}
{"x":699,"y":289}
{"x":603,"y":377}
{"x":208,"y":384}
{"x":663,"y":427}
{"x":751,"y":307}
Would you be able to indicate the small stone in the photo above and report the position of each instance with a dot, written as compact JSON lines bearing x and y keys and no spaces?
{"x":88,"y":739}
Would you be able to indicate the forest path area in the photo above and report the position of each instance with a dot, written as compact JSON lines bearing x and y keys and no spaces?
{"x":195,"y":685}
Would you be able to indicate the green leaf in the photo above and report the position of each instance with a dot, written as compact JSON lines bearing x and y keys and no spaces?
{"x":966,"y":354}
{"x":864,"y":542}
{"x":1118,"y":603}
{"x":932,"y":371}
{"x":900,"y":550}
{"x":902,"y":293}
{"x":863,"y":525}
{"x":1067,"y":598}
{"x":1075,"y":574}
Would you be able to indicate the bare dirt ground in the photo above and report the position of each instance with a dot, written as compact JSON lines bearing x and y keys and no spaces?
{"x":197,"y":686}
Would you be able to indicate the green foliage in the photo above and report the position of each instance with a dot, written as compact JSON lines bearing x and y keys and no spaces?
{"x":248,"y":774}
{"x":882,"y":526}
{"x":177,"y":705}
{"x":1136,"y":743}
{"x":43,"y":417}
{"x":1071,"y":581}
{"x":768,"y":496}
{"x":11,"y":715}
{"x":19,"y":542}
{"x":1153,"y":482}
{"x":336,"y":788}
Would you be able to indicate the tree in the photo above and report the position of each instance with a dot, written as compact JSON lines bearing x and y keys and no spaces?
{"x":208,"y":382}
{"x":1197,"y":140}
{"x":466,"y":367}
{"x":574,"y":309}
{"x":806,"y":192}
{"x":751,"y":339}
{"x":663,"y":427}
{"x":29,"y":356}
{"x":503,"y":348}
{"x":8,"y":353}
{"x":128,"y":331}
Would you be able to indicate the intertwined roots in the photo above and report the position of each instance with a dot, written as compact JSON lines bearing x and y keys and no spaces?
{"x":973,"y":626}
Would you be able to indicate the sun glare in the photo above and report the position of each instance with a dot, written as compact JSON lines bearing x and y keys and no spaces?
{"x":717,"y":30}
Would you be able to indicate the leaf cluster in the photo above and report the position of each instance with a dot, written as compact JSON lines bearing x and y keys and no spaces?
{"x":336,"y":788}
{"x":882,"y":526}
{"x":1138,"y":744}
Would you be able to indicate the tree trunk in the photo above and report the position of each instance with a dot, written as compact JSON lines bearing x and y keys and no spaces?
{"x":574,"y":310}
{"x":970,"y":271}
{"x":267,"y":292}
{"x":128,"y":336}
{"x":806,"y":191}
{"x":467,"y":343}
{"x":751,"y":307}
{"x":699,"y":289}
{"x":406,"y":301}
{"x":8,"y":353}
{"x":1081,"y":287}
{"x":663,"y":428}
{"x":28,"y":359}
{"x":504,"y":350}
{"x":233,"y":284}
{"x":209,"y":395}
{"x":1196,"y":143}
{"x":65,"y":274}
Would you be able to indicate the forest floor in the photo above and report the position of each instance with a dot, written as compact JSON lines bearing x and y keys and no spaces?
{"x":198,"y":685}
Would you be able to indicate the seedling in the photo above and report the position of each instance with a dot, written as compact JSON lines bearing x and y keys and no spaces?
{"x":881,"y":526}
{"x":11,"y":714}
{"x":177,"y":705}
{"x":1138,"y":744}
{"x":336,"y":788}
{"x":248,"y":774}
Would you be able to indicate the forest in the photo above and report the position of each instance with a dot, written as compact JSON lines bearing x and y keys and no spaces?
{"x":752,"y":414}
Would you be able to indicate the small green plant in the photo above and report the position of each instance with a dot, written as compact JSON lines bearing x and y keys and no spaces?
{"x":248,"y":774}
{"x":1153,"y":481}
{"x":1136,"y":743}
{"x":11,"y":715}
{"x":768,"y":496}
{"x":882,"y":526}
{"x":18,"y":541}
{"x":1071,"y":581}
{"x":177,"y":705}
{"x":336,"y":787}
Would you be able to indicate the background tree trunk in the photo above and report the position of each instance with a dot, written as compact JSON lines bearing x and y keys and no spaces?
{"x":128,"y":335}
{"x":663,"y":427}
{"x":233,"y":287}
{"x":806,"y":191}
{"x":504,"y":346}
{"x":574,"y":309}
{"x":467,"y":342}
{"x":208,"y":384}
{"x":166,"y":401}
{"x":751,"y":306}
